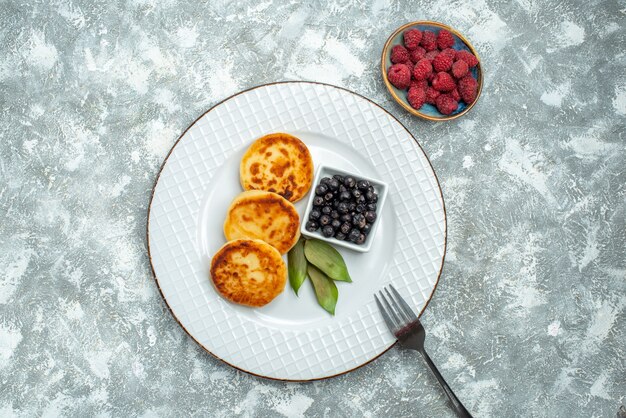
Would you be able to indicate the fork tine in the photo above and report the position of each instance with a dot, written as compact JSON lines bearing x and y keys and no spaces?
{"x":401,"y":313}
{"x":405,"y":306}
{"x":391,"y":310}
{"x":386,"y":317}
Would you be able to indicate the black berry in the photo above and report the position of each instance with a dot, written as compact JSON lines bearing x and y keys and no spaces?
{"x":339,"y":178}
{"x":321,"y":190}
{"x":370,"y":216}
{"x":354,"y":235}
{"x":358,"y":220}
{"x":315,"y":214}
{"x":343,"y":207}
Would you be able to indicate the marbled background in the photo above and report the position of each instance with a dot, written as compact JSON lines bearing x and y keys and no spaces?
{"x":529,"y":318}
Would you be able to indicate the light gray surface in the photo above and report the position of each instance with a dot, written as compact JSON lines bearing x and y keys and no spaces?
{"x":529,"y":317}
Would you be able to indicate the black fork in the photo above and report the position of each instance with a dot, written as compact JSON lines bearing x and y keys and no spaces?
{"x":407,"y":328}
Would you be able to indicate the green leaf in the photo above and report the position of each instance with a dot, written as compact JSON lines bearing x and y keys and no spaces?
{"x":297,"y":263}
{"x":326,"y":258}
{"x":325,"y":289}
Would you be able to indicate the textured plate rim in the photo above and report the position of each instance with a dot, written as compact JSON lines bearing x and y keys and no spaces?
{"x":445,"y":229}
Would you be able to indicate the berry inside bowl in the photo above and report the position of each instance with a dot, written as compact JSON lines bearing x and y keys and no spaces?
{"x":363,"y":222}
{"x":430,"y":75}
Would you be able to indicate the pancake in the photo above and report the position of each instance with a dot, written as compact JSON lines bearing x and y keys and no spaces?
{"x":278,"y":163}
{"x":248,"y":272}
{"x":263,"y":215}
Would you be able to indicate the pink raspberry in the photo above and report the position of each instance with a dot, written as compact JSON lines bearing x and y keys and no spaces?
{"x":416,"y":97}
{"x":445,"y":39}
{"x":422,"y":84}
{"x":422,"y":69}
{"x":410,"y":65}
{"x":431,"y":54}
{"x":399,"y":54}
{"x":431,"y":95}
{"x":412,"y":38}
{"x":443,"y":82}
{"x":431,"y":77}
{"x":429,"y":40}
{"x":442,"y":62}
{"x":399,"y":76}
{"x":468,"y":57}
{"x":460,"y":69}
{"x":417,"y":54}
{"x":468,"y":88}
{"x":449,"y":52}
{"x":455,"y":95}
{"x":446,"y":104}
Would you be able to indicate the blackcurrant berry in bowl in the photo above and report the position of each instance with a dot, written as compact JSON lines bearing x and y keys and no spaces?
{"x":312,"y":226}
{"x":328,"y":231}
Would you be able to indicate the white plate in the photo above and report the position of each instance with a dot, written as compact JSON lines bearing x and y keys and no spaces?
{"x":292,"y":338}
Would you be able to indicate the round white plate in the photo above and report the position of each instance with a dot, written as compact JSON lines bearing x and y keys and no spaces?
{"x":293,"y":338}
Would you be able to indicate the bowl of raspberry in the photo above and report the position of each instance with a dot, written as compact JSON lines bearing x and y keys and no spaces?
{"x":431,"y":70}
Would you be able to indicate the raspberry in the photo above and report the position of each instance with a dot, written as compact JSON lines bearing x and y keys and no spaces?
{"x":431,"y":95}
{"x":466,"y":56}
{"x":468,"y":88}
{"x":399,"y":76}
{"x":416,"y":97}
{"x":446,"y":104}
{"x":442,"y":62}
{"x":449,"y":52}
{"x":422,"y":84}
{"x":417,"y":54}
{"x":422,"y":69}
{"x":455,"y":95}
{"x":412,"y":38}
{"x":431,"y":54}
{"x":399,"y":54}
{"x":431,"y":77}
{"x":445,"y":39}
{"x":410,"y":66}
{"x":459,"y":69}
{"x":443,"y":82}
{"x":429,"y":40}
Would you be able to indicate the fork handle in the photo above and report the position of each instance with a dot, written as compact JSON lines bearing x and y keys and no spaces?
{"x":456,"y":404}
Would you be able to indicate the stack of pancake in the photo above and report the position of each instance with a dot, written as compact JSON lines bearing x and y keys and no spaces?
{"x":262,"y":222}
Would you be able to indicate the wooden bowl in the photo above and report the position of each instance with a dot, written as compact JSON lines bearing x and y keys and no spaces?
{"x":429,"y":111}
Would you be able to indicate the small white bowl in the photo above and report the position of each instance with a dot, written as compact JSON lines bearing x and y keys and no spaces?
{"x":379,"y":186}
